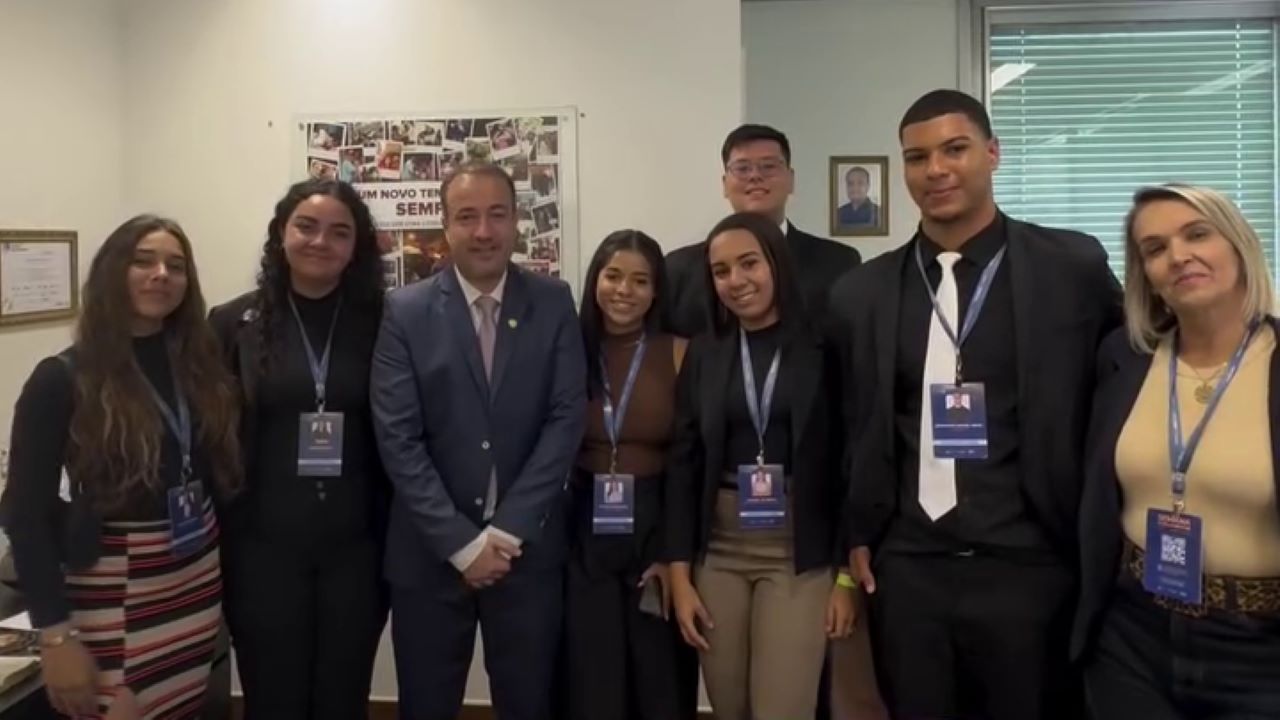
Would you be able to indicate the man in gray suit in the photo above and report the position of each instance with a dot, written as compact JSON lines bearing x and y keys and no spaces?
{"x":478,"y":395}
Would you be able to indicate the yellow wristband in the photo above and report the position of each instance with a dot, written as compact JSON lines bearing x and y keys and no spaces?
{"x":844,"y":580}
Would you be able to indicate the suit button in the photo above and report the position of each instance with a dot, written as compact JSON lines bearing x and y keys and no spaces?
{"x":484,"y":445}
{"x":479,"y":502}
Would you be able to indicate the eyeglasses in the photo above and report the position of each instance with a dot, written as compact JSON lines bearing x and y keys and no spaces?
{"x":767,"y":168}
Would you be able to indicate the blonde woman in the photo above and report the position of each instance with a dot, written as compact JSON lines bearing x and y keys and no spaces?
{"x":1180,"y":534}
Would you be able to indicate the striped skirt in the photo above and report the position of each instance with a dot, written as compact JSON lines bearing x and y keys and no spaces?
{"x":149,"y":618}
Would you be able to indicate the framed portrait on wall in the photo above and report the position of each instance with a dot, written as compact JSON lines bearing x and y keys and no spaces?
{"x":858,"y":191}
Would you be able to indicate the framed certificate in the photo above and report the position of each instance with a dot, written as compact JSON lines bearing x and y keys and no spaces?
{"x":38,"y":276}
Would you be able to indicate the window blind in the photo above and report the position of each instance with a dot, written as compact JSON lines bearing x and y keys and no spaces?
{"x":1086,"y":114}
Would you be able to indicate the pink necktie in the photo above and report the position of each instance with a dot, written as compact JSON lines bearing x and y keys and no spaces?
{"x":488,"y":331}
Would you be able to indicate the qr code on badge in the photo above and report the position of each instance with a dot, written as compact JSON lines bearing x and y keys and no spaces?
{"x":1173,"y":550}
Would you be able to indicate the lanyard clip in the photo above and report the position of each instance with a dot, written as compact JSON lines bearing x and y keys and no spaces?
{"x":613,"y":462}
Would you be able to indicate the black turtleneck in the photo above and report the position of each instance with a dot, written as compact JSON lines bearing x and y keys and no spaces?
{"x":40,"y":442}
{"x":308,"y":510}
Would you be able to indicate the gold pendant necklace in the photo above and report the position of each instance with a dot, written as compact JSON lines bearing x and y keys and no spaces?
{"x":1204,"y":391}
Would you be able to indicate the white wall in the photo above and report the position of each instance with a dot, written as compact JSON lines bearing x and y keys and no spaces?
{"x":836,"y":76}
{"x":212,"y":87}
{"x":60,"y":70}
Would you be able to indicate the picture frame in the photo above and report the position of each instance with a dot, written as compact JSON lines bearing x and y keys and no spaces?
{"x":858,"y":194}
{"x":39,"y":277}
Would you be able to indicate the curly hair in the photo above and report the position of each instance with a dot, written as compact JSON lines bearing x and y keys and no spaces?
{"x":116,"y":431}
{"x":362,"y":281}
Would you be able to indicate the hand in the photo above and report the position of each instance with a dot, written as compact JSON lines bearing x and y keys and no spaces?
{"x":659,"y":573}
{"x":689,"y":608}
{"x":492,"y":564}
{"x":860,"y":565}
{"x":70,"y":678}
{"x":841,"y":612}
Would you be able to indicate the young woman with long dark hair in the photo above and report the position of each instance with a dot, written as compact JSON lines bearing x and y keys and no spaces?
{"x":124,"y":581}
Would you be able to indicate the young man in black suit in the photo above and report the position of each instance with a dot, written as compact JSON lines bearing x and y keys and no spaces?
{"x":758,"y":178}
{"x":969,"y":555}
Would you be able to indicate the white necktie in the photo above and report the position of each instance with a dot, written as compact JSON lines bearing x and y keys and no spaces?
{"x":938,"y":476}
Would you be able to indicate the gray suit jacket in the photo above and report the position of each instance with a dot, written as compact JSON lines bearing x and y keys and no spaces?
{"x":441,"y":427}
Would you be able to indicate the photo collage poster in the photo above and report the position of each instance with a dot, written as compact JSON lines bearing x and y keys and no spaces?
{"x":398,"y":164}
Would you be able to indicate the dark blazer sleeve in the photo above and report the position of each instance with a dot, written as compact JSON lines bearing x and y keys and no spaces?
{"x":870,"y":487}
{"x":685,"y":462}
{"x":225,"y":321}
{"x":34,"y":513}
{"x":685,"y":307}
{"x":1111,"y":295}
{"x":837,"y":439}
{"x":1120,"y":373}
{"x":399,"y":429}
{"x":543,"y":476}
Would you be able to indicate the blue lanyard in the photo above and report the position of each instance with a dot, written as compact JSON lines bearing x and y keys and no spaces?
{"x":759,"y":407}
{"x":319,"y":368}
{"x":1180,"y":454}
{"x":975,"y":303}
{"x":179,"y":425}
{"x":613,"y":419}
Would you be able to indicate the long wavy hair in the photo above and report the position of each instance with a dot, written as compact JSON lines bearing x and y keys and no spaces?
{"x":116,"y":430}
{"x":362,"y":283}
{"x":592,"y":317}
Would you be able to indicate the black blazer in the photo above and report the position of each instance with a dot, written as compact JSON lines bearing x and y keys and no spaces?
{"x":818,"y":262}
{"x":696,"y":463}
{"x":1121,"y":373}
{"x":1066,"y":300}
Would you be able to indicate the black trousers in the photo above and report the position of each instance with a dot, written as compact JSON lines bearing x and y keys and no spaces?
{"x":305,"y":625}
{"x":973,"y":637}
{"x":1154,"y":664}
{"x":621,"y":663}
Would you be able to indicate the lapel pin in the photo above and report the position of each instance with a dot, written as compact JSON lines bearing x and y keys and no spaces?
{"x":511,"y":323}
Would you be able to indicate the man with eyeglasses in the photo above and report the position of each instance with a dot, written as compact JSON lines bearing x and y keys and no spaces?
{"x":758,"y":178}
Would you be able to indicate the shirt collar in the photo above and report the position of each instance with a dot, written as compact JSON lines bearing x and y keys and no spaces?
{"x":979,"y":249}
{"x":470,"y":292}
{"x":785,"y":227}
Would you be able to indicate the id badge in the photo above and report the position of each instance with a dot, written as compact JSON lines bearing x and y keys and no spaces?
{"x":1175,"y":556}
{"x":186,"y":517}
{"x":959,"y":421}
{"x":762,"y":497}
{"x":614,"y":509}
{"x":320,"y":444}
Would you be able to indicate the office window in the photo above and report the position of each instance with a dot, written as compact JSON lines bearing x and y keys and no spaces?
{"x":1088,"y":112}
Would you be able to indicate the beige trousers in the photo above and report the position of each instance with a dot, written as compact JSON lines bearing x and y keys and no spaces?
{"x":769,"y":639}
